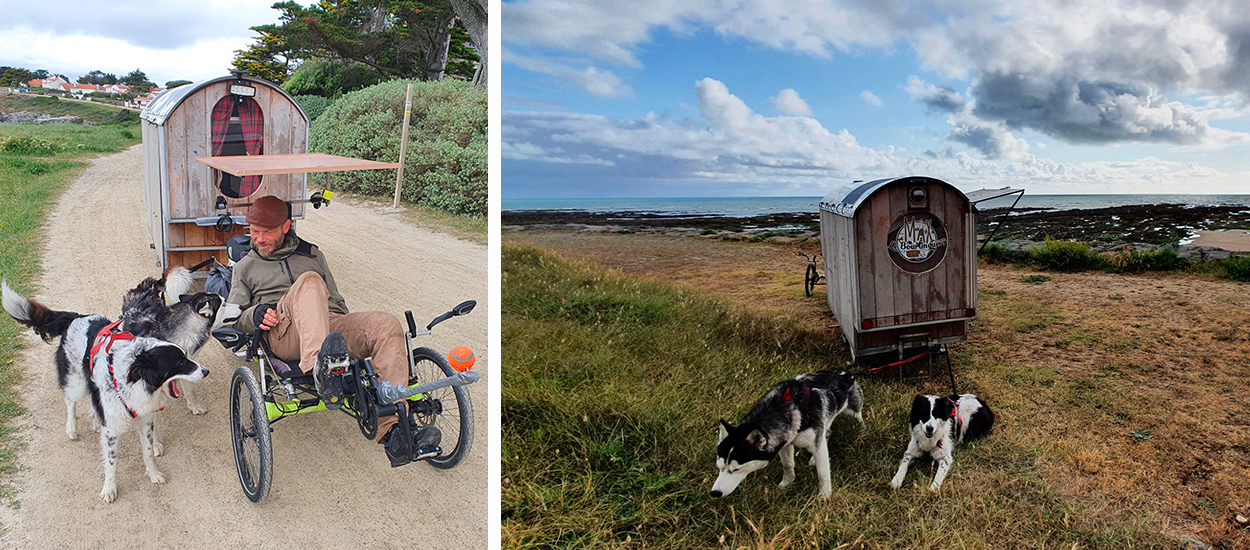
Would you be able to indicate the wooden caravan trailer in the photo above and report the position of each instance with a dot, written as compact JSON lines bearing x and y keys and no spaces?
{"x":900,"y":263}
{"x":229,"y":115}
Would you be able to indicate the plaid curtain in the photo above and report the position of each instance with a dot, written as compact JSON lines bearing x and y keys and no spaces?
{"x":252,"y":121}
{"x":221,"y":122}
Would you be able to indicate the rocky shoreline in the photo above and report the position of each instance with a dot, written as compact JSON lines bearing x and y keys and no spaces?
{"x":1141,"y":226}
{"x":22,"y":117}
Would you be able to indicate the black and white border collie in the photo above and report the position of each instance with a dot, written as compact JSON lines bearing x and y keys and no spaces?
{"x":186,"y":322}
{"x":937,"y":425}
{"x":128,"y":381}
{"x":794,"y":413}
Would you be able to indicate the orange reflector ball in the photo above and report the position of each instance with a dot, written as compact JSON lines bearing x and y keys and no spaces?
{"x":461,"y":358}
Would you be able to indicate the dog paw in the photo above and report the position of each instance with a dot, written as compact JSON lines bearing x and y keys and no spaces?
{"x":73,"y":434}
{"x":896,"y":483}
{"x":785,"y":482}
{"x":825,"y":492}
{"x":109,"y":494}
{"x":157,"y":448}
{"x":156,"y":476}
{"x":197,"y":408}
{"x":935,"y":486}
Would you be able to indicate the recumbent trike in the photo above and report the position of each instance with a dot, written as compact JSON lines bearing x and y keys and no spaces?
{"x":435,"y":396}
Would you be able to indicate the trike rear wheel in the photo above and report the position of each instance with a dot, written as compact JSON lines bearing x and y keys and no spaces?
{"x":249,"y":430}
{"x":448,"y":409}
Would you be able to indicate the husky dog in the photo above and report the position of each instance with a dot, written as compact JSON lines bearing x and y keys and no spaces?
{"x":186,"y":323}
{"x":937,"y":425}
{"x":794,"y":413}
{"x":127,"y":378}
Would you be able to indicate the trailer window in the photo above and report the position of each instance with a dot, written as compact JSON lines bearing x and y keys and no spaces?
{"x":238,"y":129}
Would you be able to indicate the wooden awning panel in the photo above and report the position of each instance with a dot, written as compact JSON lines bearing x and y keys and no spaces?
{"x":301,"y":163}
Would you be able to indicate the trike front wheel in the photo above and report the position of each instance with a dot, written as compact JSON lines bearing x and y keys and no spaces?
{"x":449,"y":409}
{"x":249,"y":430}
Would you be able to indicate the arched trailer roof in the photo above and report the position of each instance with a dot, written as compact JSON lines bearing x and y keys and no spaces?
{"x":846,"y":205}
{"x":160,"y":108}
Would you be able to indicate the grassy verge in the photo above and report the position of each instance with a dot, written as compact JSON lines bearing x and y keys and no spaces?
{"x":614,"y":387}
{"x":37,"y":164}
{"x":469,"y":228}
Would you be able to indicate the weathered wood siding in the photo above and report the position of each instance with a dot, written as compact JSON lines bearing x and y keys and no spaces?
{"x":891,"y":296}
{"x":188,"y":190}
{"x":837,"y":242}
{"x":863,"y":282}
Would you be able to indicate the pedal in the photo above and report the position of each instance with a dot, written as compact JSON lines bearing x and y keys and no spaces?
{"x":428,"y":452}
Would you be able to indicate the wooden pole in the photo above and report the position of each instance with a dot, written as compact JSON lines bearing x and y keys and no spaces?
{"x":403,"y":144}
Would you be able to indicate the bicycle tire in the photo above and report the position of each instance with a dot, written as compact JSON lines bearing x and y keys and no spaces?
{"x":809,"y":280}
{"x":249,"y":431}
{"x":456,"y":425}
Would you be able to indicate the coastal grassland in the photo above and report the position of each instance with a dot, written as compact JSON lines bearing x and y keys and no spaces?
{"x":36,"y":164}
{"x":615,"y":382}
{"x":53,"y":106}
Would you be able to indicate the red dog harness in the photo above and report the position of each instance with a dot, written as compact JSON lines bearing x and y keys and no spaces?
{"x":104,"y":340}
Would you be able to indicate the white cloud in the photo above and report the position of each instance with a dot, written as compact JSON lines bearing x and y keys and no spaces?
{"x":168,"y":40}
{"x":732,"y":144}
{"x":595,"y":81}
{"x":1086,"y":72}
{"x":788,"y":102}
{"x":870,"y":98}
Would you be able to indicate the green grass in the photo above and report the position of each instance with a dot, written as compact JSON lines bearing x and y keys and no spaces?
{"x":30,"y":182}
{"x":51,"y":105}
{"x":614,"y":389}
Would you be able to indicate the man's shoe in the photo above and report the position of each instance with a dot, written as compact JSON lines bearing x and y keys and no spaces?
{"x":425,"y":444}
{"x":332,"y":362}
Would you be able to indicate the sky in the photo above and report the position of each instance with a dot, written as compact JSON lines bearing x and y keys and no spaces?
{"x":167,"y":40}
{"x":691,"y":98}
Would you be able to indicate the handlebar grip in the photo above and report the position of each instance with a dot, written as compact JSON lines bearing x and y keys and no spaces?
{"x":412,"y":325}
{"x":440,"y":319}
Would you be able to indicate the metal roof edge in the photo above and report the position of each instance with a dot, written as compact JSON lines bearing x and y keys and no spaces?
{"x":846,"y":206}
{"x":158,"y":111}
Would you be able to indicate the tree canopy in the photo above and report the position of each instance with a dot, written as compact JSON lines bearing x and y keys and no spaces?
{"x":98,"y":77}
{"x":396,"y":38}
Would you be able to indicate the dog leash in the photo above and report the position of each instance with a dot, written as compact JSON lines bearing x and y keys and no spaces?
{"x":941,"y":350}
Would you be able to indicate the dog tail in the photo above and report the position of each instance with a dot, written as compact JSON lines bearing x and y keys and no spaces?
{"x":45,"y":322}
{"x":177,"y":282}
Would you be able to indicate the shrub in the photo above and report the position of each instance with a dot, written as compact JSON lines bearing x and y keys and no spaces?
{"x":25,"y":145}
{"x":998,"y":254}
{"x":1134,"y":261}
{"x":1065,"y":256}
{"x":330,"y":79}
{"x":1237,"y":269}
{"x":313,"y":105}
{"x":446,"y":166}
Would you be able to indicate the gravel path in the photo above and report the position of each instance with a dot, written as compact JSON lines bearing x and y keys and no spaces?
{"x":331,"y":488}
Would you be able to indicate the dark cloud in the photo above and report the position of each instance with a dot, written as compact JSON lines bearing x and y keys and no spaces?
{"x":943,"y":99}
{"x":1084,"y":111}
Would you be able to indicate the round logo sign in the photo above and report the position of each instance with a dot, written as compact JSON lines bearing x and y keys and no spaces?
{"x":917,"y":242}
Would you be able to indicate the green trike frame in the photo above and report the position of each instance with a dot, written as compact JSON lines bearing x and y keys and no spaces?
{"x":435,"y":396}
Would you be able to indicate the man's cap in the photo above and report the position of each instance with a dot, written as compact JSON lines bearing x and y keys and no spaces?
{"x":268,"y":212}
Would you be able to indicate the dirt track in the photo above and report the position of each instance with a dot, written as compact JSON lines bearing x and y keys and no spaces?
{"x":332,"y":488}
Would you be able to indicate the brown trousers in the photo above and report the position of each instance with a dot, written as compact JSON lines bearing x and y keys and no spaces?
{"x":304,"y":320}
